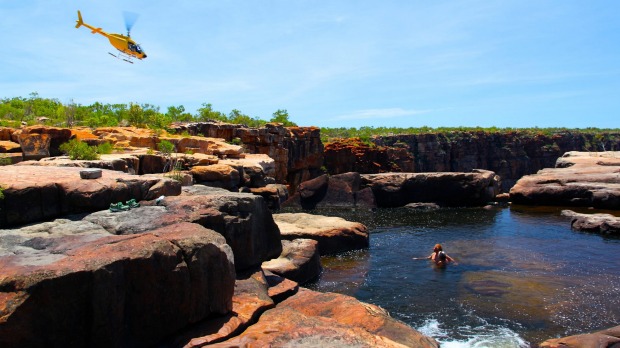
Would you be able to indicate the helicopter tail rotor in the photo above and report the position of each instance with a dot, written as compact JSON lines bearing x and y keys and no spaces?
{"x":130,"y":19}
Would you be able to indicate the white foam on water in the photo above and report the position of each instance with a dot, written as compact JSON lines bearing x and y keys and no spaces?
{"x":486,"y":335}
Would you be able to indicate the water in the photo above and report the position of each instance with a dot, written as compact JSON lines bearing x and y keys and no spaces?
{"x":523,"y":275}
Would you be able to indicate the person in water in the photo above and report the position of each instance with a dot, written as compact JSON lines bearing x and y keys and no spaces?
{"x":439,"y":257}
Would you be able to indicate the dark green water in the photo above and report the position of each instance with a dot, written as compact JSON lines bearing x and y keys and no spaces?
{"x":523,"y":275}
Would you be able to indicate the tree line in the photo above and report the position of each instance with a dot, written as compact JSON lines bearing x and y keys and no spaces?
{"x":18,"y":110}
{"x":34,"y":109}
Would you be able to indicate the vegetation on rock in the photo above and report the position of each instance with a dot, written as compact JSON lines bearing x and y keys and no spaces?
{"x":78,"y":150}
{"x":35,"y":109}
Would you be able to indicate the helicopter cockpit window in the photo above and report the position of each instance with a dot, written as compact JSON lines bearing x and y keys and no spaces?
{"x":138,"y":49}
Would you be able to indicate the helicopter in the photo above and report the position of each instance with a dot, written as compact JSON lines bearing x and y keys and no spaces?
{"x":129,"y":48}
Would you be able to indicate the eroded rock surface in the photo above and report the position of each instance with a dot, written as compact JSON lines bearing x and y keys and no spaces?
{"x":300,"y":261}
{"x":34,"y":193}
{"x":333,"y":234}
{"x":71,"y":283}
{"x":580,"y":179}
{"x":447,"y":189}
{"x":316,"y":319}
{"x":598,"y":223}
{"x":609,"y":338}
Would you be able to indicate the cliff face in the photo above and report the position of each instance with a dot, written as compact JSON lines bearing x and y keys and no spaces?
{"x":511,"y":155}
{"x":297,"y":151}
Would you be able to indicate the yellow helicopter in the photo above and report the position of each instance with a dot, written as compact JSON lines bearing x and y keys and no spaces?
{"x":129,"y":48}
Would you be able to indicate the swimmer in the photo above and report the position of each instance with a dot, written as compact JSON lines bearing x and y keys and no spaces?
{"x":439,"y":257}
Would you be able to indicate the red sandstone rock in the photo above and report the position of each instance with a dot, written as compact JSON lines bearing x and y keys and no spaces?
{"x":297,"y":151}
{"x":300,"y":261}
{"x":9,"y":146}
{"x":342,"y":190}
{"x":599,"y":223}
{"x":243,"y":219}
{"x":57,"y":136}
{"x":250,"y":300}
{"x":311,"y":318}
{"x":113,"y":291}
{"x":333,"y":234}
{"x":581,"y":179}
{"x":353,"y":155}
{"x":220,"y":175}
{"x":34,"y":193}
{"x":609,"y":338}
{"x":447,"y":189}
{"x":5,"y":133}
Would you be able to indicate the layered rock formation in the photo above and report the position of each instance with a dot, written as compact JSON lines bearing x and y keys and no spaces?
{"x":510,"y":154}
{"x":597,"y":223}
{"x":327,"y":320}
{"x":73,"y":284}
{"x":609,"y":338}
{"x":447,"y":189}
{"x":33,"y":193}
{"x":297,"y":151}
{"x":333,"y":234}
{"x":589,"y":179}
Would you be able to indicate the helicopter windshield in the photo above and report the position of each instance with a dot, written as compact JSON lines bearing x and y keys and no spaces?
{"x":134,"y":47}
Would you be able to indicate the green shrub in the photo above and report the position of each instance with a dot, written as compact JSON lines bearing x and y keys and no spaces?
{"x":5,"y":160}
{"x":105,"y":148}
{"x":78,"y":150}
{"x":166,"y":147}
{"x":1,"y":192}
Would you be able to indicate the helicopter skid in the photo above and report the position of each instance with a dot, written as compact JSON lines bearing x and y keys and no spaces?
{"x":121,"y":56}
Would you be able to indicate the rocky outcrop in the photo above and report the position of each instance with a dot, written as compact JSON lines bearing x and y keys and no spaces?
{"x":251,"y":298}
{"x":34,"y":193}
{"x":55,"y":137}
{"x":609,"y":338}
{"x":597,"y":223}
{"x":297,"y":151}
{"x":447,"y":189}
{"x":316,"y":319}
{"x":243,"y":219}
{"x":333,"y":234}
{"x":300,"y":261}
{"x":510,"y":154}
{"x":581,"y":179}
{"x":72,"y":284}
{"x":329,"y":191}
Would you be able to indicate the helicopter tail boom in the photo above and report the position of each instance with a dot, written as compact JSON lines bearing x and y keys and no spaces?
{"x":94,"y":30}
{"x":79,"y":22}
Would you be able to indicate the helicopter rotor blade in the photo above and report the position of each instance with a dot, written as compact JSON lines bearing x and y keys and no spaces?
{"x":130,"y":19}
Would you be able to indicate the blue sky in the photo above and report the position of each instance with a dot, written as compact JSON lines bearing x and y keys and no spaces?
{"x":340,"y":63}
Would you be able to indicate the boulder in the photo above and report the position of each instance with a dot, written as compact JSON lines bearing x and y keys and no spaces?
{"x":333,"y":234}
{"x":34,"y":193}
{"x":274,"y":194}
{"x":598,"y":223}
{"x":250,"y":300}
{"x":85,"y":287}
{"x":423,"y":206}
{"x":35,"y":146}
{"x":328,"y":191}
{"x":55,"y":136}
{"x":580,"y":179}
{"x":5,"y":133}
{"x":127,"y":163}
{"x":218,"y":175}
{"x":609,"y":338}
{"x":300,"y":261}
{"x":243,"y":219}
{"x":9,"y":146}
{"x":446,"y":189}
{"x":280,"y":288}
{"x":317,"y":319}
